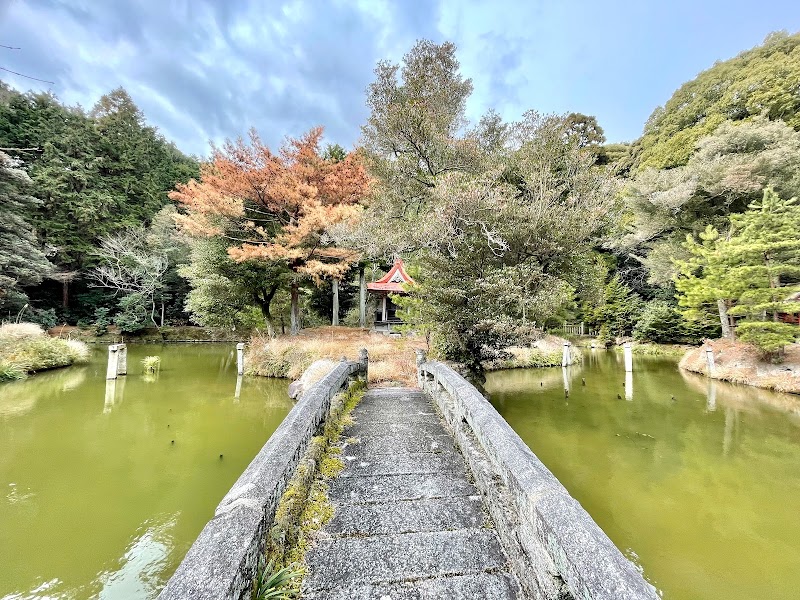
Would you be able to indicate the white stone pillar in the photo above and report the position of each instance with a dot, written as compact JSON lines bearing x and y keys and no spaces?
{"x":122,"y":364}
{"x":565,"y":375}
{"x":628,"y":352}
{"x":113,"y":361}
{"x":566,"y":359}
{"x":240,"y":358}
{"x":710,"y":360}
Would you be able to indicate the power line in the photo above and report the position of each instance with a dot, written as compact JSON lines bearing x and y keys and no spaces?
{"x":27,"y":76}
{"x":10,"y":47}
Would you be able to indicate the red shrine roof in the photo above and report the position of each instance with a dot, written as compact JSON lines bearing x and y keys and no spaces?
{"x":393,"y":281}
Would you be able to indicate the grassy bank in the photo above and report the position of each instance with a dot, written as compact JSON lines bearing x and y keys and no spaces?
{"x":666,"y":350}
{"x":150,"y":335}
{"x":546,"y":352}
{"x":391,"y":359}
{"x":742,"y":363}
{"x":25,"y":348}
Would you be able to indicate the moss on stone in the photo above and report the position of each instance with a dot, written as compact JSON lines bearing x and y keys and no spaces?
{"x":305,"y":507}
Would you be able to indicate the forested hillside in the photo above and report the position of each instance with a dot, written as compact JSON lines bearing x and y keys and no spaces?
{"x":78,"y":176}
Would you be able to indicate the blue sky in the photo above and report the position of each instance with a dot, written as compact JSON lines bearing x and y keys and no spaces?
{"x":206,"y":70}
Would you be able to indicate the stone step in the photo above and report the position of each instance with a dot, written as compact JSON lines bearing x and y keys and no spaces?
{"x":399,"y":444}
{"x":411,"y":516}
{"x":380,"y":488}
{"x":446,"y":461}
{"x":480,"y":586}
{"x":343,"y":562}
{"x":365,"y":429}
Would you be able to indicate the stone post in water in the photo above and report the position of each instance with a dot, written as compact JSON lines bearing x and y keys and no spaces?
{"x":628,"y":352}
{"x":566,"y":359}
{"x":117,"y":361}
{"x":710,"y":360}
{"x":240,"y":358}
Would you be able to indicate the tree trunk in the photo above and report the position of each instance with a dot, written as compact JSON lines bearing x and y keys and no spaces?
{"x":294,"y":327}
{"x":65,"y":293}
{"x":264,"y":298}
{"x":362,"y":298}
{"x":335,"y":319}
{"x":723,"y":319}
{"x":162,"y":313}
{"x":153,"y":312}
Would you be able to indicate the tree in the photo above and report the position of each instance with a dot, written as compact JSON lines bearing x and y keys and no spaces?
{"x":500,"y":218}
{"x":22,"y":261}
{"x":752,"y":274}
{"x":585,"y":130}
{"x":226,"y":293}
{"x":619,"y":310}
{"x":282,"y":205}
{"x":760,"y":81}
{"x":131,"y":265}
{"x":94,"y":174}
{"x":725,"y":175}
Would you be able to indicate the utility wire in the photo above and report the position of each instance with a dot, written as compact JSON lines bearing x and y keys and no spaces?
{"x":27,"y":76}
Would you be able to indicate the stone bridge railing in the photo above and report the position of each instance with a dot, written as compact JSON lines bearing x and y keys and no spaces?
{"x":556,"y":549}
{"x":222,"y":562}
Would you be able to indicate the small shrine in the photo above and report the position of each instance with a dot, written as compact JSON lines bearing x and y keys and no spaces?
{"x":391,"y":283}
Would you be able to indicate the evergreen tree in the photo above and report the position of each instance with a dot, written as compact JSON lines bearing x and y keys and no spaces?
{"x":22,"y":261}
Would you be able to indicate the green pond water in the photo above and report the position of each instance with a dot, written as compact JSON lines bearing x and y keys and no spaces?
{"x":95,"y":499}
{"x":697,"y":482}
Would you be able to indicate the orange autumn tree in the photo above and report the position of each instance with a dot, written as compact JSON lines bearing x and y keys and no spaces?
{"x":277,"y":207}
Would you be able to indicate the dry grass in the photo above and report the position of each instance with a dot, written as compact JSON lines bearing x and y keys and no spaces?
{"x":392,"y":360}
{"x":26,"y":348}
{"x":546,"y":352}
{"x":742,"y":363}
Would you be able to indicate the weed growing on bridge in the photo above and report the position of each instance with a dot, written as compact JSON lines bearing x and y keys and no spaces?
{"x":304,"y":507}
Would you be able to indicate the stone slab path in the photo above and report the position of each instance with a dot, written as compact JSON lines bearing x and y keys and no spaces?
{"x":409,"y":524}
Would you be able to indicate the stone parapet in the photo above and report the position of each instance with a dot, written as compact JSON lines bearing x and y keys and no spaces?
{"x":223,"y":561}
{"x":557,"y":551}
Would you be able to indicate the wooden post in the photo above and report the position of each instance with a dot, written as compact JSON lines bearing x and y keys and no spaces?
{"x":628,"y":352}
{"x":384,"y":315}
{"x":710,"y":360}
{"x":566,"y":359}
{"x":122,"y":365}
{"x":582,"y":328}
{"x":240,"y":358}
{"x":362,"y":298}
{"x":335,"y":287}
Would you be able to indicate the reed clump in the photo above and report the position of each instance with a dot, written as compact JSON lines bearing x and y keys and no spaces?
{"x":26,"y":348}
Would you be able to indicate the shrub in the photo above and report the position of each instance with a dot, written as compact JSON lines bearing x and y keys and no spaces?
{"x":132,"y":317}
{"x":662,"y":323}
{"x":78,"y":350}
{"x":770,"y":337}
{"x":45,"y":318}
{"x":101,"y":320}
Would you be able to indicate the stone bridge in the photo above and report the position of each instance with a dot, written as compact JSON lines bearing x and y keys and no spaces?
{"x":439,"y":498}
